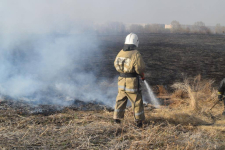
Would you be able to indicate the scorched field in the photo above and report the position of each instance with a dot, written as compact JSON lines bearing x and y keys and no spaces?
{"x":184,"y":71}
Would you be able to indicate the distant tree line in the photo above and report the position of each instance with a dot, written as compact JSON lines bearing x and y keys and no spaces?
{"x":110,"y":28}
{"x":176,"y":27}
{"x":148,"y":28}
{"x":118,"y":27}
{"x":219,"y":29}
{"x":197,"y":28}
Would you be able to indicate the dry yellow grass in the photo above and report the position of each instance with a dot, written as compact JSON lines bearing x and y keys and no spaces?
{"x":187,"y":125}
{"x":164,"y":129}
{"x":198,"y":93}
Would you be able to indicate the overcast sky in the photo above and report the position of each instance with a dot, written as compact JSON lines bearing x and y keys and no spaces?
{"x":33,"y":12}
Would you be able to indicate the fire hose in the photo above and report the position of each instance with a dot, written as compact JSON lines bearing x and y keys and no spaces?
{"x":216,"y":103}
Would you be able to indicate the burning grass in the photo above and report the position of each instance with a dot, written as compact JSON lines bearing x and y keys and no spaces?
{"x":185,"y":125}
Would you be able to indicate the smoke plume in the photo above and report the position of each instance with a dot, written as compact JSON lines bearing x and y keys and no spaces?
{"x":49,"y":57}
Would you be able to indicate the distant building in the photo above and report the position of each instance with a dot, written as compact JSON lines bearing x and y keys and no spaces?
{"x":168,"y":26}
{"x":127,"y":25}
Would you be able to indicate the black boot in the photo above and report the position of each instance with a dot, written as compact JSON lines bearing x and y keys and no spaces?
{"x":117,"y":121}
{"x":139,"y":124}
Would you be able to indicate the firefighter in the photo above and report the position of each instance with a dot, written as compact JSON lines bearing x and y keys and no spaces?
{"x":130,"y":65}
{"x":221,"y":91}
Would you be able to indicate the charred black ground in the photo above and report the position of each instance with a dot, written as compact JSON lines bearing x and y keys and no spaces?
{"x":170,"y":57}
{"x":28,"y":108}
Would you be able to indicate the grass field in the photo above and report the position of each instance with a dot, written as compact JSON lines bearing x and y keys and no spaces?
{"x":183,"y":122}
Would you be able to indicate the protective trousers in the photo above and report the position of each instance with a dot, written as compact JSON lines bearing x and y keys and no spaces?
{"x":121,"y":102}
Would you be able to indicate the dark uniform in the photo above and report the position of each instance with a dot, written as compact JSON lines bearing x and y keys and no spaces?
{"x":221,"y":91}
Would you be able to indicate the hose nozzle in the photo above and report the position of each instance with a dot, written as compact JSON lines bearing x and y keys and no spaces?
{"x":143,"y":76}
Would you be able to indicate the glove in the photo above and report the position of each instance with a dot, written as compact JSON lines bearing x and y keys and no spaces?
{"x":142,"y":76}
{"x":220,"y":97}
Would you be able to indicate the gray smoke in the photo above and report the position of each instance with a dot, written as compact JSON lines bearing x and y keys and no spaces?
{"x":50,"y":60}
{"x":51,"y":68}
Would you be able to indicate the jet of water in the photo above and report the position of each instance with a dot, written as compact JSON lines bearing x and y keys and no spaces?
{"x":154,"y":100}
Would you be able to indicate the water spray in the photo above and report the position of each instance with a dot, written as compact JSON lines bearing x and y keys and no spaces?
{"x":154,"y":100}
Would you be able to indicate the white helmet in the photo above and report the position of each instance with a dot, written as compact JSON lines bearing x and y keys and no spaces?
{"x":132,"y":39}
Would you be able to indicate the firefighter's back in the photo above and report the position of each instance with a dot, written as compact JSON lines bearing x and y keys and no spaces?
{"x":124,"y":62}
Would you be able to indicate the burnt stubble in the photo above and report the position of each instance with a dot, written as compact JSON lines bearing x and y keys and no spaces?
{"x":170,"y":58}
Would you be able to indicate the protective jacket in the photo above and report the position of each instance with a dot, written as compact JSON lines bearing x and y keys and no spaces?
{"x":129,"y":62}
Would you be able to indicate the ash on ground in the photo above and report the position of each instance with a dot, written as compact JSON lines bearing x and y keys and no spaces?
{"x":28,"y":108}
